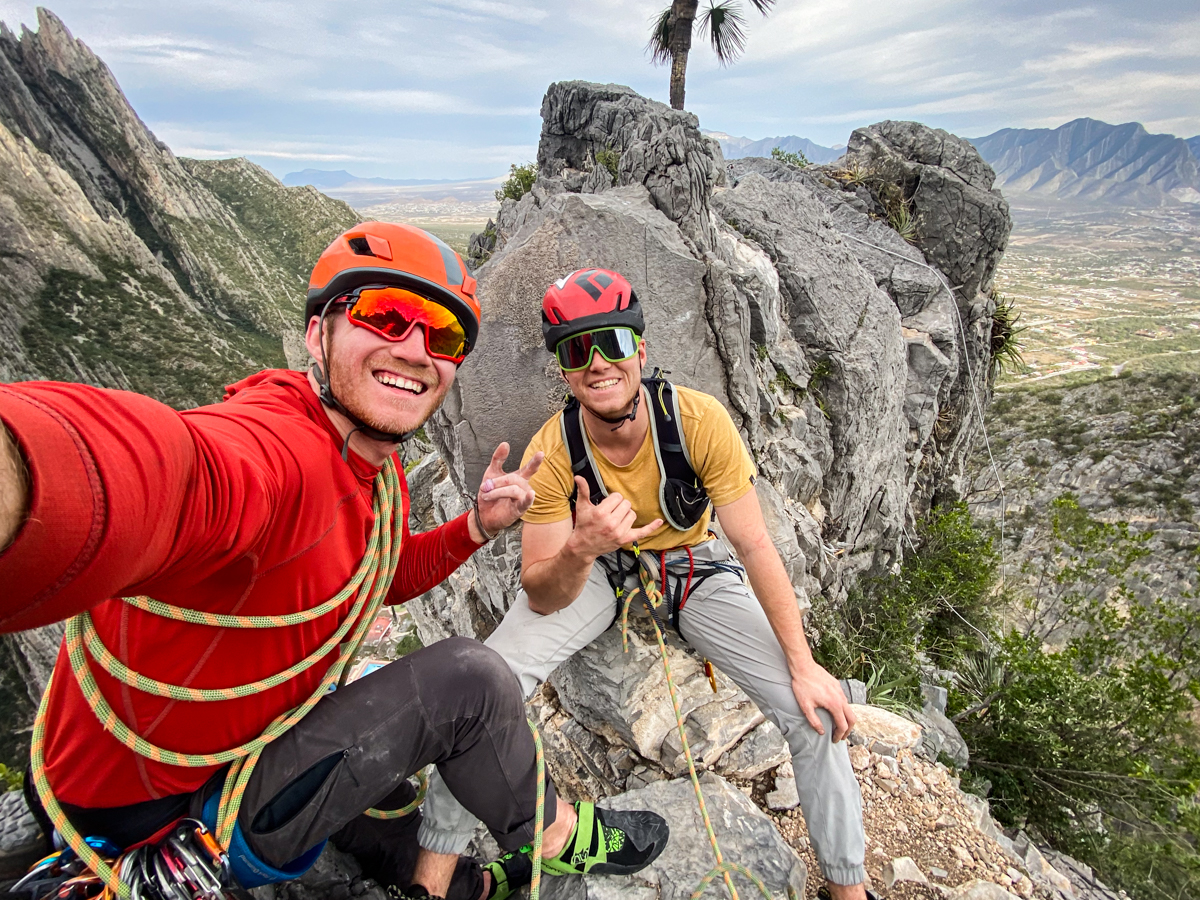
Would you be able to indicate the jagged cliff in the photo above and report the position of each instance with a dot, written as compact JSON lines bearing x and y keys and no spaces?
{"x":855,"y":363}
{"x":122,"y":265}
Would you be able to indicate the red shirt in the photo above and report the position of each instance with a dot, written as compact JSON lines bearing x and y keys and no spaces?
{"x":243,"y":507}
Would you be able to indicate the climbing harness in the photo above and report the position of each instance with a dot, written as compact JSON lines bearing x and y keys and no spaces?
{"x":681,"y":497}
{"x":654,"y":599}
{"x":368,"y":587}
{"x":616,"y":571}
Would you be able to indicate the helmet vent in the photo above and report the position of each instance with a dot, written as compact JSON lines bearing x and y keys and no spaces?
{"x":360,"y":246}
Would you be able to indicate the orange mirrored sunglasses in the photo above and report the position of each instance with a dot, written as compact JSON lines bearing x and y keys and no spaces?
{"x":392,"y":313}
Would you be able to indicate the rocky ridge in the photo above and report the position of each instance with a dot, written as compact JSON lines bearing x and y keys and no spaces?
{"x":124,"y":265}
{"x":853,"y":368}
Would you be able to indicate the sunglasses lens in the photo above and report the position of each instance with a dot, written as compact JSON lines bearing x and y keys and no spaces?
{"x":392,"y":312}
{"x":614,"y":344}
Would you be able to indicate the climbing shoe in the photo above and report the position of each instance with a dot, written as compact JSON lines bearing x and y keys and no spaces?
{"x":610,"y":842}
{"x":510,"y":873}
{"x":412,"y":892}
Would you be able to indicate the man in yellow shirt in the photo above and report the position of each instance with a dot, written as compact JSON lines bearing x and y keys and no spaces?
{"x":637,"y":479}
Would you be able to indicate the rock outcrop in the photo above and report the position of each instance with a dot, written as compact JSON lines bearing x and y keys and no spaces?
{"x":854,"y":363}
{"x":845,"y":354}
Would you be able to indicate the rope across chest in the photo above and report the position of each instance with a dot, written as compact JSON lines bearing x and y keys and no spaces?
{"x":366,"y":591}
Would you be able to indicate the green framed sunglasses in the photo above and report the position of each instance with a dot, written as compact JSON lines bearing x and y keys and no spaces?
{"x":616,"y":344}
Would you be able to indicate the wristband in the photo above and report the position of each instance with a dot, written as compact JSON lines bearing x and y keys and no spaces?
{"x":479,"y":523}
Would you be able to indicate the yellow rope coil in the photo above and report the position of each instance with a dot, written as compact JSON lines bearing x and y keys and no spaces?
{"x":369,"y":586}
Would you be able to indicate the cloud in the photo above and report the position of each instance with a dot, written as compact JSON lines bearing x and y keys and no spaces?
{"x":445,"y":87}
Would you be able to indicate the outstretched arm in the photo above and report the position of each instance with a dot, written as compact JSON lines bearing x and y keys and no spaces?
{"x":742,"y":521}
{"x":14,"y":488}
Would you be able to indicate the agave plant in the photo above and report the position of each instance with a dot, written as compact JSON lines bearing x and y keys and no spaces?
{"x":671,"y":36}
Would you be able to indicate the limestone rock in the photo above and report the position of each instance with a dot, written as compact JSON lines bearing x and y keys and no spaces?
{"x":21,"y":840}
{"x":745,"y":834}
{"x":624,"y":697}
{"x":785,"y":795}
{"x":334,"y":876}
{"x":902,"y":869}
{"x":762,"y":749}
{"x":962,"y":221}
{"x":939,"y":735}
{"x":880,"y":730}
{"x":660,"y":148}
{"x":980,"y":890}
{"x":512,"y":385}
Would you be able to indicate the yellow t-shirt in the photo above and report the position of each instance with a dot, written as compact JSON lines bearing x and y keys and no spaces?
{"x":713,"y":442}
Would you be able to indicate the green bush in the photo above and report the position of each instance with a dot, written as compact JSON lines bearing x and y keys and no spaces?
{"x":609,"y":159}
{"x":939,"y":606}
{"x":519,"y":182}
{"x":1082,"y":719}
{"x":799,"y":160}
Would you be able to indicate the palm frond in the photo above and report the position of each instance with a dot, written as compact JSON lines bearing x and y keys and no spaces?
{"x":659,"y":45}
{"x":726,"y":31}
{"x":763,"y":6}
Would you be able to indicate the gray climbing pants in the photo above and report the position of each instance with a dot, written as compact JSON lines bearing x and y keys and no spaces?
{"x":724,"y":622}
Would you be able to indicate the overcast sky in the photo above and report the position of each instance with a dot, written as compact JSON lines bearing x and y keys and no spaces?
{"x":452,"y":88}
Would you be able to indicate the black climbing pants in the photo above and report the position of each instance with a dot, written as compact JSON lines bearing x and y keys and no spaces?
{"x":455,"y":704}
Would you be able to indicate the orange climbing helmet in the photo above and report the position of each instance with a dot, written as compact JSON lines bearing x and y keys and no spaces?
{"x":388,"y":254}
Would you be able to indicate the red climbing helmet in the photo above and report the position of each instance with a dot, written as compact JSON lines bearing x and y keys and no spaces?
{"x":588,"y":299}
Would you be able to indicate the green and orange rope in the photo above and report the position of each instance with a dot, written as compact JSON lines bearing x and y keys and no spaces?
{"x":368,"y":586}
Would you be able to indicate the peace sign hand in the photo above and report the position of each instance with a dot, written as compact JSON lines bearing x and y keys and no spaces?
{"x":503,"y":497}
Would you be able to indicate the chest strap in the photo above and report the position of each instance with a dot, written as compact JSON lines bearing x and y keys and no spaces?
{"x":682,"y":498}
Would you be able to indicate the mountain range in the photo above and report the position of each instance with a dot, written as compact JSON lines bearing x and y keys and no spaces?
{"x":741,"y":147}
{"x":328,"y":178}
{"x":1086,"y":159}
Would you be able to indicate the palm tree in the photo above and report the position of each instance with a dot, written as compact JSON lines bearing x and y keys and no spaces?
{"x":671,"y":36}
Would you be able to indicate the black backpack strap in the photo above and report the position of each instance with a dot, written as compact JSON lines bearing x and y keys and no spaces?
{"x":681,"y":497}
{"x":580,"y":451}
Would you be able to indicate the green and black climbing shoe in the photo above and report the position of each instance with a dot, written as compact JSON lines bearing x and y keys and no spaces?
{"x":610,"y":842}
{"x":510,"y":873}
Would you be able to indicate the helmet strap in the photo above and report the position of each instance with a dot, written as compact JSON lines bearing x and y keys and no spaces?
{"x":327,"y":396}
{"x":628,"y":417}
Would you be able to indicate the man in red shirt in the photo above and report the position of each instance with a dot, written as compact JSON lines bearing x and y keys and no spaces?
{"x":154,"y":529}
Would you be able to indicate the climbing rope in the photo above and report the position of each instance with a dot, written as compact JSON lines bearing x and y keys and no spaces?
{"x":654,"y":598}
{"x":369,"y":586}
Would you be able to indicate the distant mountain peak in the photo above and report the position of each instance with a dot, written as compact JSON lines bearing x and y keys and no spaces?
{"x":740,"y":147}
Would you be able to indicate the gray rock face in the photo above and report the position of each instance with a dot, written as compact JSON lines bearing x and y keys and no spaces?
{"x":746,"y":836}
{"x":660,"y":148}
{"x":962,"y":223}
{"x":619,"y":229}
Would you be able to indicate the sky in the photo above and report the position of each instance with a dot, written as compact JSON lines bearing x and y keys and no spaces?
{"x":452,"y":88}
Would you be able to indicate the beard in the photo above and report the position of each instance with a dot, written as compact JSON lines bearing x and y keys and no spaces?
{"x":386,"y":409}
